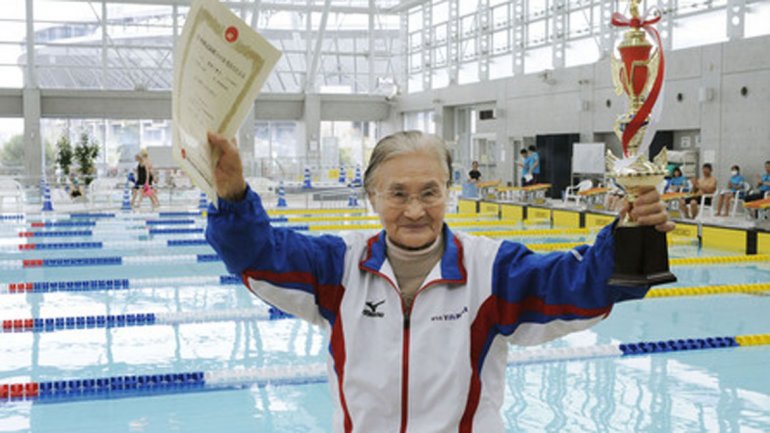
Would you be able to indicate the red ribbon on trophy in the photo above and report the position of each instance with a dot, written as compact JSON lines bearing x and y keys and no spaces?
{"x":639,"y":81}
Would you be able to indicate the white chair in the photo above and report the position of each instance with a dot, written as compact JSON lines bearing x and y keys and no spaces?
{"x":11,"y":189}
{"x":710,"y":206}
{"x":102,"y":187}
{"x":738,"y":197}
{"x":572,"y":192}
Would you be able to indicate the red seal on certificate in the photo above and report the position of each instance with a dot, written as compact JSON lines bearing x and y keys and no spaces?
{"x":231,"y":34}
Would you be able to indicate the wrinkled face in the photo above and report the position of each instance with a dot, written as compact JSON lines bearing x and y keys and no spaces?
{"x":409,"y":194}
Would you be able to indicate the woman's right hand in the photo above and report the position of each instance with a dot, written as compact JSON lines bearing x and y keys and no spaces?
{"x":228,"y":173}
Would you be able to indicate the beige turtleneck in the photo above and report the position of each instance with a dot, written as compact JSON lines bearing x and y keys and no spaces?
{"x":411,"y":267}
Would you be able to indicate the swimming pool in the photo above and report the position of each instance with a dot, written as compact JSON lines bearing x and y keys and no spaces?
{"x":204,"y":322}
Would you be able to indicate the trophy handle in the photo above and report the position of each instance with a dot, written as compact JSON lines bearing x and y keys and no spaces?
{"x":610,"y":160}
{"x":652,"y":72}
{"x":617,"y":81}
{"x":661,"y":159}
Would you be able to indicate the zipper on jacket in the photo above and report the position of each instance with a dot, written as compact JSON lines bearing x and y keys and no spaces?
{"x":407,"y":323}
{"x":405,"y":369}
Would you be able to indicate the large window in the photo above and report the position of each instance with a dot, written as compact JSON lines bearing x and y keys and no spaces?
{"x":11,"y":147}
{"x":12,"y":35}
{"x":351,"y":142}
{"x":279,"y":151}
{"x":92,"y":44}
{"x":457,"y":41}
{"x":421,"y":121}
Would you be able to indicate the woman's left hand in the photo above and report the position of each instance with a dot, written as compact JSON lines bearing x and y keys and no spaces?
{"x":649,"y":210}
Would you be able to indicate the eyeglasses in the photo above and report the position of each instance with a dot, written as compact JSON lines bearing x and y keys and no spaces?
{"x":428,"y":198}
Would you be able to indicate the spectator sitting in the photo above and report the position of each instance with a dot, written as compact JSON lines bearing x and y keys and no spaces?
{"x":76,"y":190}
{"x":763,"y":185}
{"x":677,"y":183}
{"x":707,"y":184}
{"x":735,"y":184}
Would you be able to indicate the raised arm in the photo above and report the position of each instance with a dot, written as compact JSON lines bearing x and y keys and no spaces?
{"x":542,"y":297}
{"x":298,"y":274}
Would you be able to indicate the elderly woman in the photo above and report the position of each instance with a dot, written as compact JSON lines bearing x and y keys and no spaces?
{"x":419,"y":317}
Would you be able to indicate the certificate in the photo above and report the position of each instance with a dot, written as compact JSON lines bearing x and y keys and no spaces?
{"x":220,"y":65}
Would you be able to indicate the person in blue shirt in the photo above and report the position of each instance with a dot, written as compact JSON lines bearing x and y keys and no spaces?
{"x":527,"y":177}
{"x":735,"y":184}
{"x":677,"y":183}
{"x":535,"y":157}
{"x":763,"y":185}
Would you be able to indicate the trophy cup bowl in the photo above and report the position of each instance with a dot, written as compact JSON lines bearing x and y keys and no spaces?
{"x":643,"y":260}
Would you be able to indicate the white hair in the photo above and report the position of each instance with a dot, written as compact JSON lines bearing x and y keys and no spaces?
{"x":406,"y":142}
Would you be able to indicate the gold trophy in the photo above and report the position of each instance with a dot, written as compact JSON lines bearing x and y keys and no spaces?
{"x":639,"y":75}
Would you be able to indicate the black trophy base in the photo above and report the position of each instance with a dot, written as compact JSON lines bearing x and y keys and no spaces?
{"x":641,"y":257}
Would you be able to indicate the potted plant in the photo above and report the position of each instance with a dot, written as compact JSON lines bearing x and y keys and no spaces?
{"x":85,"y":153}
{"x":64,"y":155}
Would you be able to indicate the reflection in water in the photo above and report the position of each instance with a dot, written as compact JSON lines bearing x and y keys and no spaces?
{"x":600,"y":388}
{"x":728,"y":407}
{"x":660,"y":405}
{"x":516,"y":384}
{"x":555,"y":376}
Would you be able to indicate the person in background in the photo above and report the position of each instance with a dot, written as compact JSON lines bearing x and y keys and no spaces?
{"x":144,"y":180}
{"x":735,"y":184}
{"x":677,"y":183}
{"x":526,"y":168}
{"x":76,"y":190}
{"x":474,"y":175}
{"x":535,"y":164}
{"x":763,"y":185}
{"x":707,"y":184}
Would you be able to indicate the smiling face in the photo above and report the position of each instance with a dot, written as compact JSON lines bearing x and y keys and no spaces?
{"x":414,"y":177}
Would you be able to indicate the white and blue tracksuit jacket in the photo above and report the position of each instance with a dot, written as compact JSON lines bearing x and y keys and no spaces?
{"x":438,"y":366}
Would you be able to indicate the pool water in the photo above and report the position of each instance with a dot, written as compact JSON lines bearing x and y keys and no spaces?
{"x":726,"y":389}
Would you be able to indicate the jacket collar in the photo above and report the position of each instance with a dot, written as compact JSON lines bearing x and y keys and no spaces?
{"x":452,"y":266}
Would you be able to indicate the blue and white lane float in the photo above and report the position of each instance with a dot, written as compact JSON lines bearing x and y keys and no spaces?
{"x":65,"y":323}
{"x":112,"y":244}
{"x":108,"y":232}
{"x":196,"y":381}
{"x":179,"y":259}
{"x":116,"y":284}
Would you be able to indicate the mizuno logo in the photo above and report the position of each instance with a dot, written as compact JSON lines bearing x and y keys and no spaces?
{"x":371,"y":309}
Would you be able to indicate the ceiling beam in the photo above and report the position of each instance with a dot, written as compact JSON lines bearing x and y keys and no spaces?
{"x":246,"y":4}
{"x":404,"y":6}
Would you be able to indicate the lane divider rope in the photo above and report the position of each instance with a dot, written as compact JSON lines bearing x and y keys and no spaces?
{"x":724,"y":289}
{"x":52,"y":324}
{"x":208,"y":258}
{"x":113,"y":244}
{"x":155,"y":384}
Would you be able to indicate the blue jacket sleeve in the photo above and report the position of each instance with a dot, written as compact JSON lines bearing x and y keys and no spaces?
{"x":304,"y":272}
{"x":542,"y":297}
